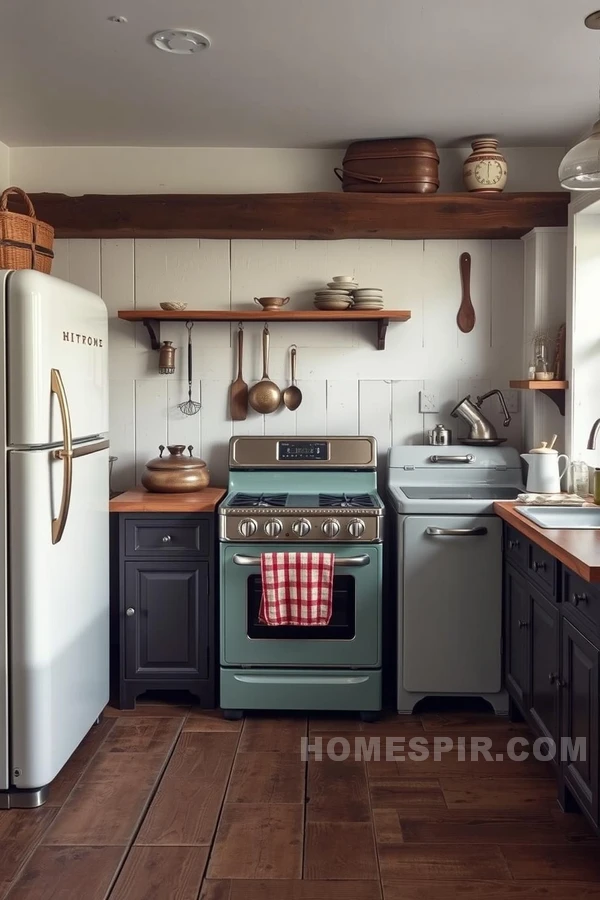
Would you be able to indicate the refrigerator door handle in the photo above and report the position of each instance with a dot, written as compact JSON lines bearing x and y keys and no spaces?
{"x":87,"y":449}
{"x":65,"y":454}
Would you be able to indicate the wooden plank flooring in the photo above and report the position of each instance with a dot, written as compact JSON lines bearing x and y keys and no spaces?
{"x":173,"y":803}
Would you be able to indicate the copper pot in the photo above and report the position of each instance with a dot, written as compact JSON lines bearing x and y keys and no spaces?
{"x":176,"y":473}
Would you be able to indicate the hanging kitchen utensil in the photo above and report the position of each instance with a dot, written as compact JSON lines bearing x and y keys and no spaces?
{"x":292,"y":396}
{"x":466,"y":314}
{"x":189,"y":407}
{"x":265,"y":396}
{"x":238,"y":395}
{"x":166,"y":358}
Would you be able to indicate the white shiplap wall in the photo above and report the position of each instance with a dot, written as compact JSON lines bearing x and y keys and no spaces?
{"x":348,"y":386}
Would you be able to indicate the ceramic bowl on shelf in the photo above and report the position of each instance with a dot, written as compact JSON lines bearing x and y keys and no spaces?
{"x":173,"y":305}
{"x":366,"y":305}
{"x":340,"y":279}
{"x":270,"y":304}
{"x":333,"y":304}
{"x":371,"y":292}
{"x":345,"y":285}
{"x":333,"y":295}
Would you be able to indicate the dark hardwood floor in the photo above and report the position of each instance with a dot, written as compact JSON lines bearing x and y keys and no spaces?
{"x":173,"y":803}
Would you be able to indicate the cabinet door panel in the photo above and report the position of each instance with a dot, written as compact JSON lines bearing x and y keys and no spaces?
{"x":545,"y":665}
{"x":167,"y":633}
{"x":516,"y":636}
{"x":580,"y":698}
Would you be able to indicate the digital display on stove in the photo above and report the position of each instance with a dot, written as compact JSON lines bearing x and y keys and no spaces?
{"x":302,"y":450}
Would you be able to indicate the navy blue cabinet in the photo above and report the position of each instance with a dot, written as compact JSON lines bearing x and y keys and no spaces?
{"x":552,"y":663}
{"x":163,"y":606}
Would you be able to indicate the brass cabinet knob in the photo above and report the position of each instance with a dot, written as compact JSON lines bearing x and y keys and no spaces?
{"x":130,"y":611}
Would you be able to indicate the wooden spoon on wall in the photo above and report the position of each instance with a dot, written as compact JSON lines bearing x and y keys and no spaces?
{"x":466,"y":314}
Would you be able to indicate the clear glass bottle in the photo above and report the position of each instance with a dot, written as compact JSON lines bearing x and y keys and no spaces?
{"x":579,"y":478}
{"x":543,"y":366}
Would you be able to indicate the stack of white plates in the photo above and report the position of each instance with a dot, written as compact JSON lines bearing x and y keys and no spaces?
{"x":337,"y":294}
{"x":333,"y":298}
{"x":368,"y":298}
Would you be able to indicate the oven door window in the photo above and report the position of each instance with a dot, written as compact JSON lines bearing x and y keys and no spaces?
{"x":341,"y":627}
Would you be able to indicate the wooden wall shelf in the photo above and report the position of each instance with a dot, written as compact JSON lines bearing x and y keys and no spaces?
{"x":553,"y":389}
{"x":151,"y":318}
{"x":317,"y":216}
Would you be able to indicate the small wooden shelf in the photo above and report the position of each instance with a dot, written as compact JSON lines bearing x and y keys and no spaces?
{"x":553,"y":389}
{"x":151,"y":318}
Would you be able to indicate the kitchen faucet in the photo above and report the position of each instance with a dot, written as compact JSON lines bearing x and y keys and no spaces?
{"x":593,"y":435}
{"x":507,"y":417}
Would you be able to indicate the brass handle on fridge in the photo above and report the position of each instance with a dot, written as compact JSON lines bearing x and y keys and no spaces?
{"x":65,"y":454}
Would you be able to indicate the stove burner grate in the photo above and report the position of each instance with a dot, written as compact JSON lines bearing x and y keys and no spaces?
{"x":346,"y":501}
{"x":256,"y":500}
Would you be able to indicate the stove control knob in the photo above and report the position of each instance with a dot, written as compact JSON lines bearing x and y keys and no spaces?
{"x":301,"y":527}
{"x":330,"y":527}
{"x":356,"y":528}
{"x":247,"y":527}
{"x":273,"y":528}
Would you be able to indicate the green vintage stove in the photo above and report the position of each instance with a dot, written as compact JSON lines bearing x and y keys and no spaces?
{"x":317,"y":494}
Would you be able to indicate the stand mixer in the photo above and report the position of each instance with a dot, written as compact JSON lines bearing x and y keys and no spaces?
{"x":481,"y":430}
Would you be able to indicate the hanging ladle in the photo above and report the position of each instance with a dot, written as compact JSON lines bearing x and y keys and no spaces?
{"x":292,"y":395}
{"x":189,"y":407}
{"x":265,"y":396}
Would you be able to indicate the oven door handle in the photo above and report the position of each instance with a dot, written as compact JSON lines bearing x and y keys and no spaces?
{"x":456,"y":532}
{"x":345,"y":562}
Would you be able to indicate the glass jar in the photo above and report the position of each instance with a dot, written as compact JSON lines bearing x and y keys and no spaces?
{"x":544,"y":370}
{"x":579,"y":478}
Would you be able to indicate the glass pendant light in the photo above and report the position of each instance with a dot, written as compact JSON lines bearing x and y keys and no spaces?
{"x":580,"y":168}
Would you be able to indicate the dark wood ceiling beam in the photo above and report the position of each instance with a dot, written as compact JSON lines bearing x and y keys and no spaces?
{"x":319,"y":216}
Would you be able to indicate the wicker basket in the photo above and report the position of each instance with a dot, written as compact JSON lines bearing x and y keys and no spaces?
{"x":25,"y":242}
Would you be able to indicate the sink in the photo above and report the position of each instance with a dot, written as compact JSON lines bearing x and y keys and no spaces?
{"x":562,"y":516}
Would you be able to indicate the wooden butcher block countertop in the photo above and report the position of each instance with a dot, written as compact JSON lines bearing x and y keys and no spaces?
{"x":139,"y":500}
{"x":578,"y":549}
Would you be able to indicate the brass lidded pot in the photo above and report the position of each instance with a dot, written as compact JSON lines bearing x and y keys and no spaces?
{"x":176,"y":473}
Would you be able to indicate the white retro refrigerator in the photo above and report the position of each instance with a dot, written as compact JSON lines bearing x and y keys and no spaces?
{"x":54,"y":558}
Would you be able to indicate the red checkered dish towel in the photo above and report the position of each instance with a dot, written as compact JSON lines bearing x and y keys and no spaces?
{"x":297,"y":588}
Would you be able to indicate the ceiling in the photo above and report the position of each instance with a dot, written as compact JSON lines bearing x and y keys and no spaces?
{"x":297,"y":73}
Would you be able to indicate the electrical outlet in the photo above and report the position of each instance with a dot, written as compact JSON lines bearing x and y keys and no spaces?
{"x":513,"y":401}
{"x":428,"y":402}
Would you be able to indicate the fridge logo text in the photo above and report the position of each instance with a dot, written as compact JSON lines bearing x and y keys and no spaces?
{"x":74,"y":338}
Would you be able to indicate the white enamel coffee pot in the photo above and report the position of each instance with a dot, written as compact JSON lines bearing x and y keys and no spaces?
{"x":543,"y":475}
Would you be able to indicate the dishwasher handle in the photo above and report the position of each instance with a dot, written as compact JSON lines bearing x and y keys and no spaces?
{"x":340,"y":561}
{"x":457,"y":532}
{"x":468,"y":458}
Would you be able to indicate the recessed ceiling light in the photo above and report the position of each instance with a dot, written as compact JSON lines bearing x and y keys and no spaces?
{"x":120,"y":20}
{"x":180,"y":40}
{"x":593,"y":20}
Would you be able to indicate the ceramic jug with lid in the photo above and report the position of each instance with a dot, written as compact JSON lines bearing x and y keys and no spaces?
{"x":544,"y":474}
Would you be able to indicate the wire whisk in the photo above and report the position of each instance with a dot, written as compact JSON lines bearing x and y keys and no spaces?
{"x":189,"y":407}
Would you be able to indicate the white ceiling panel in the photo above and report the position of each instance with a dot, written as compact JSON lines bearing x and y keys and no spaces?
{"x":296,"y":73}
